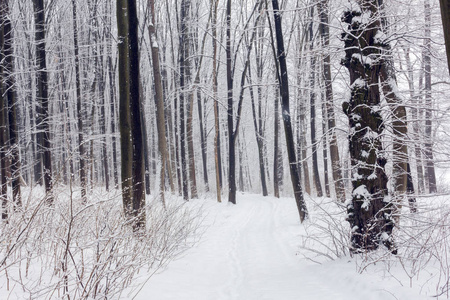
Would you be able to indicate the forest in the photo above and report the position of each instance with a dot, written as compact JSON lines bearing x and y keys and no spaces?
{"x":118,"y":119}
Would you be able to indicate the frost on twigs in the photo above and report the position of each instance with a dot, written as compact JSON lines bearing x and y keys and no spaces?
{"x":78,"y":251}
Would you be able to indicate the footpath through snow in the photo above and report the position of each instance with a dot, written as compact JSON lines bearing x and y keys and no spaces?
{"x":251,"y":251}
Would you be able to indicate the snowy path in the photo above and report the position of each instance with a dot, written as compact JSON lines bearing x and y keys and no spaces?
{"x":249,"y":252}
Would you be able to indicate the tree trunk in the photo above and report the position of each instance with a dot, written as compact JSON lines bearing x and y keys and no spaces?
{"x":369,"y":214}
{"x":230,"y":116}
{"x":445,"y":14}
{"x":10,"y":92}
{"x":79,"y":109}
{"x":162,"y":144}
{"x":184,"y":79}
{"x":312,"y":98}
{"x":42,"y":96}
{"x":336,"y":168}
{"x":430,"y":174}
{"x":133,"y":194}
{"x":284,"y":91}
{"x":216,"y":105}
{"x":276,"y":151}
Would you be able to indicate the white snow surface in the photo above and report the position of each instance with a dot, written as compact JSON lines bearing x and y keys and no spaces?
{"x":252,"y":250}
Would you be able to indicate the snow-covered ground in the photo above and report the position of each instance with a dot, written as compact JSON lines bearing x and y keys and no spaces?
{"x":253,"y":250}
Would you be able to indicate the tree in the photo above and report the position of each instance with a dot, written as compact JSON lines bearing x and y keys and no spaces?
{"x":323,"y":7}
{"x":9,"y":91}
{"x":131,"y":144}
{"x":284,"y":91}
{"x":369,"y":212}
{"x":79,"y":108}
{"x":445,"y":14}
{"x":159,"y":100}
{"x":42,"y":96}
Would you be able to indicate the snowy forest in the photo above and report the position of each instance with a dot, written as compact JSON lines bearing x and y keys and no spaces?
{"x":136,"y":132}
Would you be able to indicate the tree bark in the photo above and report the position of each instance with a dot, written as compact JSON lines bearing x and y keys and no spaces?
{"x":369,"y":212}
{"x":336,"y":168}
{"x":133,"y":194}
{"x":284,"y":91}
{"x":162,"y":144}
{"x":79,"y":108}
{"x":10,"y":92}
{"x":445,"y":14}
{"x":312,"y":107}
{"x":42,"y":96}
{"x":430,"y":174}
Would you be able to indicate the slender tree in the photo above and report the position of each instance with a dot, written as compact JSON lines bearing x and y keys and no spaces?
{"x":284,"y":91}
{"x":42,"y":96}
{"x":79,"y":108}
{"x":445,"y":14}
{"x":323,"y":7}
{"x":9,"y":91}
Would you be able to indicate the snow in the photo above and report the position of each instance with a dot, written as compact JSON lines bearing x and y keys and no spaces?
{"x":252,"y":250}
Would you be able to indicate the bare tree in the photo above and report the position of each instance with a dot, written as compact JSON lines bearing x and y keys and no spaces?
{"x":133,"y":193}
{"x":284,"y":91}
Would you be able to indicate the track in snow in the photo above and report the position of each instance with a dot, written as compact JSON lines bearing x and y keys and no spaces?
{"x":249,"y":253}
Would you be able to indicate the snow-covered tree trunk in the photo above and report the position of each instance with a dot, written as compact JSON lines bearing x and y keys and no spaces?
{"x":369,"y":211}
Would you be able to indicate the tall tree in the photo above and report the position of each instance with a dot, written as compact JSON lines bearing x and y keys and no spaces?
{"x":79,"y":108}
{"x":324,"y":28}
{"x":445,"y":14}
{"x":9,"y":91}
{"x":430,"y":174}
{"x":131,"y":144}
{"x":42,"y":96}
{"x":369,"y":212}
{"x":160,"y":123}
{"x":312,"y":106}
{"x":284,"y":91}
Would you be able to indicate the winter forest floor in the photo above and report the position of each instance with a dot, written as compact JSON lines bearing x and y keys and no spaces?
{"x":204,"y":250}
{"x":256,"y":250}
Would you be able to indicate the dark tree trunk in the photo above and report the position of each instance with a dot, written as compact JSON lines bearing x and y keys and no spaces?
{"x":217,"y":158}
{"x":10,"y":92}
{"x":230,"y":116}
{"x":3,"y":127}
{"x":42,"y":96}
{"x":284,"y":91}
{"x":445,"y":14}
{"x":276,"y":150}
{"x":184,"y":74}
{"x":368,"y":213}
{"x":133,"y":194}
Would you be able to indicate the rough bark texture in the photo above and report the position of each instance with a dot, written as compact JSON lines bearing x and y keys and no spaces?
{"x":369,"y":212}
{"x":216,"y":106}
{"x":284,"y":91}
